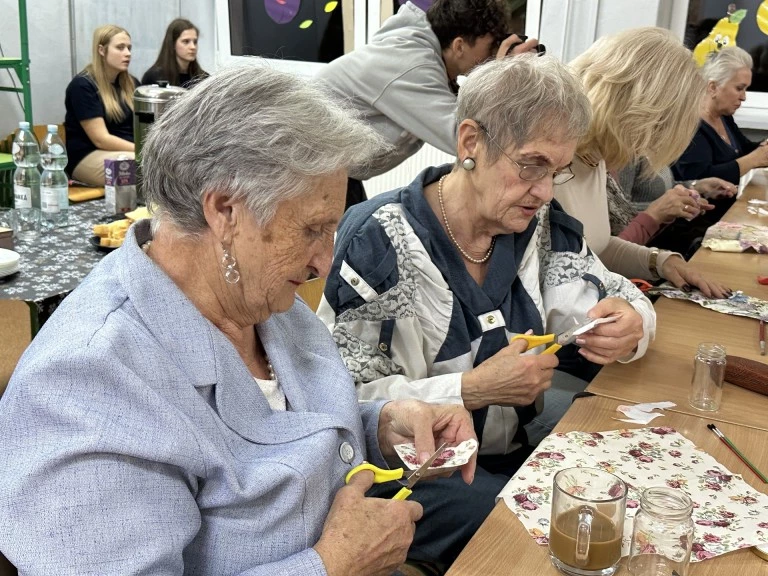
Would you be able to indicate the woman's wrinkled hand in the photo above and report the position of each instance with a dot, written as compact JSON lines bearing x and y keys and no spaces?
{"x":713,"y":188}
{"x":366,"y":535}
{"x":678,"y":202}
{"x":607,"y":343}
{"x":427,"y":426}
{"x":683,"y":275}
{"x":508,"y":378}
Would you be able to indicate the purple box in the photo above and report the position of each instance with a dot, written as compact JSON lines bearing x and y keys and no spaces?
{"x":120,"y":184}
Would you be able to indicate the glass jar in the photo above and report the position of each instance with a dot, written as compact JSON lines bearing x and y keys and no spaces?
{"x":708,"y":374}
{"x":663,"y":533}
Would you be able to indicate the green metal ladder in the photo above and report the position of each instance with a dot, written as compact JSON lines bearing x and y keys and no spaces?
{"x":21,"y":67}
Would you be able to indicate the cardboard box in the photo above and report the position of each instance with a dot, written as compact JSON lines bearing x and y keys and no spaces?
{"x":6,"y":238}
{"x":120,"y":185}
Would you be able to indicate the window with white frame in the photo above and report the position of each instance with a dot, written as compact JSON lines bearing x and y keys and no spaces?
{"x":301,"y":35}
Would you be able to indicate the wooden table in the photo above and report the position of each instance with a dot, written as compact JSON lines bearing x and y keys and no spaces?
{"x":502,"y":547}
{"x":664,"y":373}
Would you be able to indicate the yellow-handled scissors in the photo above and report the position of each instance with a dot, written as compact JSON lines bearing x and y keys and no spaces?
{"x":563,"y":338}
{"x":380,"y":475}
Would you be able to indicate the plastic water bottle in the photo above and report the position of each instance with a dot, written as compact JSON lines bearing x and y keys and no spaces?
{"x":26,"y":150}
{"x":54,"y":184}
{"x":26,"y":181}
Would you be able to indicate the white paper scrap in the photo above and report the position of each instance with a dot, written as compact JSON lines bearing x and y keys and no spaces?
{"x":642,"y":413}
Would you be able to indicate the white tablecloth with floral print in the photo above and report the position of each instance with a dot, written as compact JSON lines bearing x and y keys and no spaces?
{"x":728,"y":513}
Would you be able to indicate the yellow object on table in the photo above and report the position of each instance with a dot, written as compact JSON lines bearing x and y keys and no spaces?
{"x":78,"y":194}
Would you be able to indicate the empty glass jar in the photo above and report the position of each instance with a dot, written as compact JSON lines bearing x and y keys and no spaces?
{"x":708,"y":374}
{"x":663,"y":533}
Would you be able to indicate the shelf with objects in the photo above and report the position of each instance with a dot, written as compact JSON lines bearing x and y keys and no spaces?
{"x":20,"y":66}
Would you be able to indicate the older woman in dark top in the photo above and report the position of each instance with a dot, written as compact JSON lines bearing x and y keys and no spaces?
{"x":719,"y":148}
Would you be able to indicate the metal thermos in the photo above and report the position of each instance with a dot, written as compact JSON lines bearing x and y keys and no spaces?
{"x":149,"y":102}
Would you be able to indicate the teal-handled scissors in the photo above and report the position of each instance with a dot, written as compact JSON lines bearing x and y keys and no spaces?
{"x":557,"y":341}
{"x":380,"y":475}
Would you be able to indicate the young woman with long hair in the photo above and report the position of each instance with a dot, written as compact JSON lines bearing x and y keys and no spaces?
{"x":99,"y":107}
{"x":177,"y":62}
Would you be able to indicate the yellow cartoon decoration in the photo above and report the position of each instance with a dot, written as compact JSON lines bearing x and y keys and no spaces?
{"x":722,"y":35}
{"x":762,"y":17}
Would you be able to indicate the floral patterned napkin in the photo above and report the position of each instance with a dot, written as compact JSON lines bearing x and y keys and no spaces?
{"x":728,"y":513}
{"x":738,"y":304}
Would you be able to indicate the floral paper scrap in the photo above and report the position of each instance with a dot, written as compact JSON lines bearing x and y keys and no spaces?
{"x":451,"y":458}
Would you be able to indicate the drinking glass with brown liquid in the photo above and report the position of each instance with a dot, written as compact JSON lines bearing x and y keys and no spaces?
{"x":587,"y":524}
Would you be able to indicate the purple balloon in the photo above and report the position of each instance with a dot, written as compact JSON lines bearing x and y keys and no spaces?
{"x":282,"y":11}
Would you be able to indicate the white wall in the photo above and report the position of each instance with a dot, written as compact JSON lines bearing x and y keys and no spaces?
{"x":569,"y":27}
{"x":49,"y":41}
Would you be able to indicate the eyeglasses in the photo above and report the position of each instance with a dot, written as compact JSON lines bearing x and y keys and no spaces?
{"x":533,"y":172}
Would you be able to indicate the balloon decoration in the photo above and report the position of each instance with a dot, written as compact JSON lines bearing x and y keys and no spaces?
{"x":283,"y":11}
{"x":722,"y":35}
{"x":762,"y":17}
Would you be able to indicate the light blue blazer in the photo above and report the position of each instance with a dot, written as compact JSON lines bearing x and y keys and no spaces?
{"x":134,"y":440}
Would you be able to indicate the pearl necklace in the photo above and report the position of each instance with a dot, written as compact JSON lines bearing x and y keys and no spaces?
{"x":464,"y":253}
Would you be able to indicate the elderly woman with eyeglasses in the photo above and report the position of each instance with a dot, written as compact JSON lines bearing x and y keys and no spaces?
{"x":429,"y":282}
{"x":183,"y":412}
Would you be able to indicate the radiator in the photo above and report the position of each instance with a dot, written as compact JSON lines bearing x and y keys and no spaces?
{"x":404,"y":174}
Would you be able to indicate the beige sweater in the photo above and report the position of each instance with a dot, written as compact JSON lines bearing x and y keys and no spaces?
{"x":584,"y":198}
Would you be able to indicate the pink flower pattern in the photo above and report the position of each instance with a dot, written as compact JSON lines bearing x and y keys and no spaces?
{"x":728,"y":513}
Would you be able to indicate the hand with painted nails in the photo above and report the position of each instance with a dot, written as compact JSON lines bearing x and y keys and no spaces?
{"x":683,"y":275}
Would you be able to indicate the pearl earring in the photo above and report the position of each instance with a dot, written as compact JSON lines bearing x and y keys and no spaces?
{"x":468,"y":164}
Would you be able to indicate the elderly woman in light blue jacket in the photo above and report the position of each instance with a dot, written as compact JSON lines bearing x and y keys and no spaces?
{"x":182,"y":412}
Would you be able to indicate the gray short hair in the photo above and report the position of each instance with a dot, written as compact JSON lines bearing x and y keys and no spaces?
{"x":721,"y":66}
{"x":254,"y":133}
{"x":521,"y":98}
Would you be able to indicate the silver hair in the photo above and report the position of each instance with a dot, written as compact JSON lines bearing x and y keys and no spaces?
{"x":721,"y":66}
{"x":253,"y":133}
{"x":521,"y":98}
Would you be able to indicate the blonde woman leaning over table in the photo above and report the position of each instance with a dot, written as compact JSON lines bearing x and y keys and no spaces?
{"x":430,"y":281}
{"x":99,"y":107}
{"x":645,"y":90}
{"x":183,"y":412}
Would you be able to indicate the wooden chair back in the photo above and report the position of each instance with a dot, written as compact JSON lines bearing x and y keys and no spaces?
{"x":312,"y":292}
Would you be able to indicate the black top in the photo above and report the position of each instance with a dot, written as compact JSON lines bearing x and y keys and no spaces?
{"x":83,"y":102}
{"x":156,"y":74}
{"x":709,"y":155}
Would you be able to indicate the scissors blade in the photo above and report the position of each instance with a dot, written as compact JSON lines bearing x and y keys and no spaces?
{"x":418,"y":474}
{"x":580,"y":328}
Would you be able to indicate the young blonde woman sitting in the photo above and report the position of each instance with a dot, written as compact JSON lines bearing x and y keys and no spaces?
{"x":99,"y":107}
